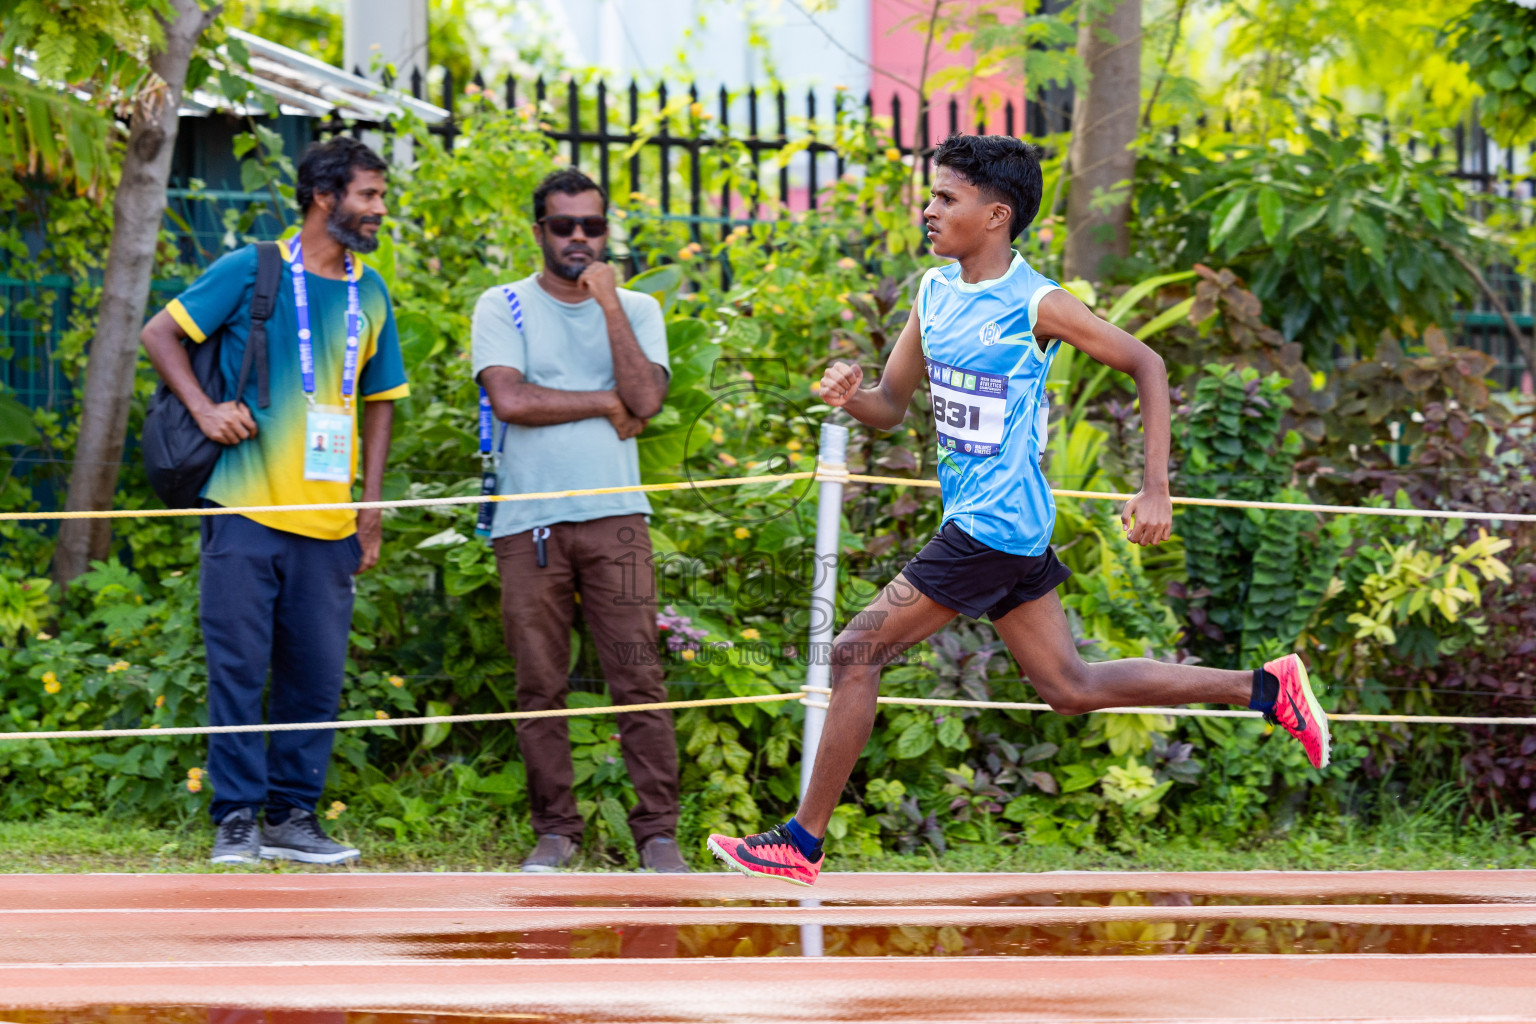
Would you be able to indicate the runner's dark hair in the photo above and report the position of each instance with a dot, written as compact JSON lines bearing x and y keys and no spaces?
{"x":567,"y":181}
{"x":326,"y":168}
{"x":1003,"y":169}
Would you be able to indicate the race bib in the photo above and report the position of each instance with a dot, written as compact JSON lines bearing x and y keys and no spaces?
{"x":969,"y":409}
{"x":328,"y":444}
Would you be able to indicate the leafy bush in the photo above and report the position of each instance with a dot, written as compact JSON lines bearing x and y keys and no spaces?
{"x":753,"y":316}
{"x":1342,"y":242}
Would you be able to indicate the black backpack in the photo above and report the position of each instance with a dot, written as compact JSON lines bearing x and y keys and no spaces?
{"x":178,"y":457}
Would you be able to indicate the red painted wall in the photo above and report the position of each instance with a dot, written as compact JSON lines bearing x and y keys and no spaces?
{"x":897,"y":41}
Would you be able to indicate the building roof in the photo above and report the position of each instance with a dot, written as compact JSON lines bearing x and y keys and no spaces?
{"x":301,"y":85}
{"x":308,"y":87}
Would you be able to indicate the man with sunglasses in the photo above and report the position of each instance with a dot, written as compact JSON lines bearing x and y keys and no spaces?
{"x":574,"y":366}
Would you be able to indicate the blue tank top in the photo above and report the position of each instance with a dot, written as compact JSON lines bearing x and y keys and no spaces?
{"x":986,"y":376}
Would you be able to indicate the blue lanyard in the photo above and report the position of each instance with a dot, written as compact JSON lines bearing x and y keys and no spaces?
{"x":486,"y":418}
{"x":485,"y":423}
{"x":306,"y":341}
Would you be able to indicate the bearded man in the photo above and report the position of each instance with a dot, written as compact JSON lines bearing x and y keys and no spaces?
{"x":277,"y":588}
{"x":573,"y":366}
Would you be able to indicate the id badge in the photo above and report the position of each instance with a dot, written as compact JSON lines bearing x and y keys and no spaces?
{"x":328,"y":444}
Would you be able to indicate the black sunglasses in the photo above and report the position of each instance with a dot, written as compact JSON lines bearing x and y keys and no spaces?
{"x":565,"y":227}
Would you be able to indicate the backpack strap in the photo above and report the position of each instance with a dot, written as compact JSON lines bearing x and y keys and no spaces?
{"x":269,"y":275}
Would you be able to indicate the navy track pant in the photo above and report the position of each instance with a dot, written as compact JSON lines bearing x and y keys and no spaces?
{"x":278,"y":603}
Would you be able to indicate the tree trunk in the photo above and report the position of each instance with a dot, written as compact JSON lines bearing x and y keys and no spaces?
{"x":137,"y":210}
{"x":1103,"y":130}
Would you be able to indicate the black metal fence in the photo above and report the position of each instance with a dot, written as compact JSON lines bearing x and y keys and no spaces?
{"x":659,"y":141}
{"x":640,"y":121}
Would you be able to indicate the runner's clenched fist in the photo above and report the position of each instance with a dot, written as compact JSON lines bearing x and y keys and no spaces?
{"x":839,"y":383}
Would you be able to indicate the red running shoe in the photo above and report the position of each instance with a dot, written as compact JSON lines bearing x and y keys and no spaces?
{"x":771,"y":854}
{"x":1297,"y":710}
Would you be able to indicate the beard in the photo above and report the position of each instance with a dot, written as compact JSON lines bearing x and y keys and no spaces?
{"x":347,"y":229}
{"x":561,"y":268}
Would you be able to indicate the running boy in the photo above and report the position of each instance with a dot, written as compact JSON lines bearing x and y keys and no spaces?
{"x":983,"y":333}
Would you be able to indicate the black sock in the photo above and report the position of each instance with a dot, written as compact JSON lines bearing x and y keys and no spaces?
{"x":277,"y":817}
{"x":1266,"y":690}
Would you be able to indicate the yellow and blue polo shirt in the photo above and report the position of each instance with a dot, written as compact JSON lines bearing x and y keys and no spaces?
{"x":269,"y":468}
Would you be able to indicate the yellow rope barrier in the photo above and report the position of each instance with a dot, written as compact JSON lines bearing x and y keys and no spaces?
{"x":1000,"y":705}
{"x":1278,"y":506}
{"x":151,"y":513}
{"x":676,"y":705}
{"x":824,"y":472}
{"x":376,"y":723}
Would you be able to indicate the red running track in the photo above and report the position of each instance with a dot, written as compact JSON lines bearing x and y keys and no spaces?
{"x":634,"y":948}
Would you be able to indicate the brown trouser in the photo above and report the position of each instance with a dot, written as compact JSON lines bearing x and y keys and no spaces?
{"x":608,"y":562}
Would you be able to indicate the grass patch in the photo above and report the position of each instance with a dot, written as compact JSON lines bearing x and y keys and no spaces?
{"x":66,"y":843}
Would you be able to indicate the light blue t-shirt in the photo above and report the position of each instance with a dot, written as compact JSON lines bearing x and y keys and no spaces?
{"x":986,"y":376}
{"x":562,"y":345}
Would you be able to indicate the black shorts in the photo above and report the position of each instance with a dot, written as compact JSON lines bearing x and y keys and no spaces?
{"x":960,"y":572}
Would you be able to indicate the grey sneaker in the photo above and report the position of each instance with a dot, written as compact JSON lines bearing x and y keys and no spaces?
{"x":236,"y":841}
{"x":551,"y":854}
{"x":301,"y":838}
{"x":660,"y":854}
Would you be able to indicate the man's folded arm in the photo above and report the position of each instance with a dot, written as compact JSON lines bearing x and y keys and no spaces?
{"x":514,"y":400}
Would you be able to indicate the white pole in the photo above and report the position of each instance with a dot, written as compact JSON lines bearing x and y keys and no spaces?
{"x":829,"y":519}
{"x":812,"y":940}
{"x":396,"y":31}
{"x":833,"y":460}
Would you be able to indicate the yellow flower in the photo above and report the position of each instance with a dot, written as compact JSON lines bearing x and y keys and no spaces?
{"x":688,"y":655}
{"x":742,"y":533}
{"x":381,"y":715}
{"x":751,"y":634}
{"x":697,"y":110}
{"x":50,"y":684}
{"x":194,"y":773}
{"x":718,"y":436}
{"x":194,"y":785}
{"x":49,"y":677}
{"x":727,"y":458}
{"x":769,"y":268}
{"x":848,"y":263}
{"x":396,"y":681}
{"x":793,"y":446}
{"x":685,"y":253}
{"x":893,"y":154}
{"x":119,"y":666}
{"x":336,"y":808}
{"x":45,"y":636}
{"x":160,"y":701}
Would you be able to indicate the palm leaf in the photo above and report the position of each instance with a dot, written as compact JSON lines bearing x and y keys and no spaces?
{"x":52,"y":131}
